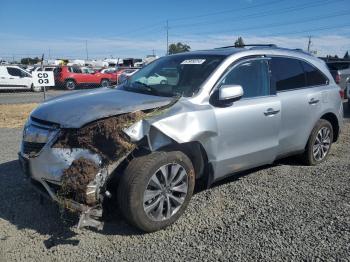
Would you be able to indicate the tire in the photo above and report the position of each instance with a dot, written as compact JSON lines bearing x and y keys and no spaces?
{"x":70,"y":84}
{"x":105,"y":83}
{"x":311,"y":157}
{"x":36,"y":88}
{"x":163,"y":82}
{"x":137,"y":179}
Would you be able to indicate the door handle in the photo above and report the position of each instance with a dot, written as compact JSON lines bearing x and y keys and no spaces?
{"x":313,"y":101}
{"x":11,"y":78}
{"x":271,"y":112}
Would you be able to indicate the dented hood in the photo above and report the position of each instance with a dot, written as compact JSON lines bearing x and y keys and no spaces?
{"x":79,"y":108}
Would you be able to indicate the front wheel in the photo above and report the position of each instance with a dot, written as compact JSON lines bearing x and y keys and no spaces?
{"x":155,"y":189}
{"x":319,"y":143}
{"x":70,"y":84}
{"x":105,"y":83}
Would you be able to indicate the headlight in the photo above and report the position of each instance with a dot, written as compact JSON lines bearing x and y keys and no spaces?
{"x":36,"y":133}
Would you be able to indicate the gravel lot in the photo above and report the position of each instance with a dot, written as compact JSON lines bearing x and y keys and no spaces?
{"x":281,"y":212}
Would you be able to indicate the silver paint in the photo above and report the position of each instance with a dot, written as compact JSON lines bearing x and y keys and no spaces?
{"x":235,"y":138}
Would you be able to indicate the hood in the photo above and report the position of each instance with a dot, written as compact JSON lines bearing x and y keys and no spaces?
{"x":77,"y":109}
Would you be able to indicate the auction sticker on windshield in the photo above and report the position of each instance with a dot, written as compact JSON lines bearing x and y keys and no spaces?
{"x":43,"y":78}
{"x":193,"y":62}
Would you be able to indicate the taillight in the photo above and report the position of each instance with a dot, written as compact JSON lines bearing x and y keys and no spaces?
{"x":341,"y":93}
{"x":337,"y":78}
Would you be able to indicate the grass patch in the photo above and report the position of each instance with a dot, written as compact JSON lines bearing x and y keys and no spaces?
{"x":15,"y":115}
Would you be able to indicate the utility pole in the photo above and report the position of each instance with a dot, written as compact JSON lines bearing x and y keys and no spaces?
{"x":49,"y":53}
{"x":153,"y":52}
{"x":309,"y":44}
{"x":87,"y":52}
{"x":167,"y":37}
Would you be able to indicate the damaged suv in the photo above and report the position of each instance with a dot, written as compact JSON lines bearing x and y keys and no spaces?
{"x":146,"y":144}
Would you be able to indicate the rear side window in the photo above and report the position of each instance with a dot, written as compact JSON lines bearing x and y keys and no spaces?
{"x":287,"y":74}
{"x":313,"y":76}
{"x":76,"y":70}
{"x":14,"y":71}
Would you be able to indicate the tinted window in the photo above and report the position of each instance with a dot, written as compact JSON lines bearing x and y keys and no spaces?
{"x":253,"y":76}
{"x":287,"y":73}
{"x":76,"y":70}
{"x":14,"y":71}
{"x":313,"y":76}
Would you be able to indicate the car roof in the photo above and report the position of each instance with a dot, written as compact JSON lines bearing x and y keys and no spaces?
{"x":268,"y":50}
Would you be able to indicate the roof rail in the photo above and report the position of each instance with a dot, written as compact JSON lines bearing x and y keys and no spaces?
{"x":253,"y":45}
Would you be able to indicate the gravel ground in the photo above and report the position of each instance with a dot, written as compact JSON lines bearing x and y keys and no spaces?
{"x":281,"y":212}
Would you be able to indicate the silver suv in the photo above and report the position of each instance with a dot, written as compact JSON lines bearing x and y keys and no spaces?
{"x":145,"y":143}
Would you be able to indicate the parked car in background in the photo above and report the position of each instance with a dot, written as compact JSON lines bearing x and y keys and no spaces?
{"x":340,"y":71}
{"x":72,"y":76}
{"x":146,"y":146}
{"x":154,"y":79}
{"x":14,"y":77}
{"x":126,"y":74}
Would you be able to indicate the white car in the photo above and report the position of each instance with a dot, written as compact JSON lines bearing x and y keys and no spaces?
{"x":108,"y":70}
{"x":14,"y":77}
{"x":87,"y":70}
{"x":154,"y":79}
{"x":126,"y":74}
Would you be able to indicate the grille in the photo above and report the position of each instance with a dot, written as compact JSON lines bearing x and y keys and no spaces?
{"x":30,"y":148}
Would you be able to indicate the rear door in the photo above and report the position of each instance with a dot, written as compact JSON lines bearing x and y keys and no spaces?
{"x":249,"y":128}
{"x":4,"y":77}
{"x":300,"y":94}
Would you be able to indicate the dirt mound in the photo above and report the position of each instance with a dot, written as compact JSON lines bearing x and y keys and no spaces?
{"x":76,"y":178}
{"x":104,"y":137}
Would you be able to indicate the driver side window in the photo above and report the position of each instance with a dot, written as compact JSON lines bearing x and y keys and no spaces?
{"x":253,"y":76}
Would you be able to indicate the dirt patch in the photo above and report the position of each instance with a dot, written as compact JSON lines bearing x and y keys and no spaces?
{"x":104,"y":137}
{"x":15,"y":115}
{"x":76,"y":178}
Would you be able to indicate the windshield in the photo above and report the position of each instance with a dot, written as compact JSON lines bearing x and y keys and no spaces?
{"x":178,"y":75}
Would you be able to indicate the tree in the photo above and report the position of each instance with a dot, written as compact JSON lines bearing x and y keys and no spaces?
{"x":178,"y":48}
{"x":347,"y":56}
{"x":30,"y":61}
{"x":239,"y":42}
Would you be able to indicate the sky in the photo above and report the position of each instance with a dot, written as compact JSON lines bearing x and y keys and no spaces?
{"x":136,"y":28}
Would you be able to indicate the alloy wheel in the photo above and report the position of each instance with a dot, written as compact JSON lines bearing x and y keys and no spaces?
{"x":165,"y":192}
{"x":322,"y":143}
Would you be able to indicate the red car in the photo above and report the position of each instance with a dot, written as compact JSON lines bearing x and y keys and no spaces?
{"x":71,"y":76}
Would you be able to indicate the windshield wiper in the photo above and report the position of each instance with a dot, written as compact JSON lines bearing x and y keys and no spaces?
{"x":146,"y":87}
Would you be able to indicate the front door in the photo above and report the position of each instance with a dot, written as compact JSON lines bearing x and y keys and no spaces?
{"x":249,"y":128}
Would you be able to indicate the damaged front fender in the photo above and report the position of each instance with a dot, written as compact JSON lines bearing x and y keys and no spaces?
{"x":183,"y":122}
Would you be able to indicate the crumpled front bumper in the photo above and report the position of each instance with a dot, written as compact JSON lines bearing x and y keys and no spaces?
{"x":45,"y":171}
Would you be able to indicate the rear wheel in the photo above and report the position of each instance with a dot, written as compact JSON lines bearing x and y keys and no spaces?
{"x":319,"y":143}
{"x":36,"y":88}
{"x":105,"y":83}
{"x":70,"y":84}
{"x":155,"y":189}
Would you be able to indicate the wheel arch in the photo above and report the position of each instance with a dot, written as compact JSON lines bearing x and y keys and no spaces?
{"x":332,"y":118}
{"x":70,"y":79}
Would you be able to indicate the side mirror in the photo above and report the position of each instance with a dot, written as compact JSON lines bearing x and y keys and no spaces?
{"x":230,"y":92}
